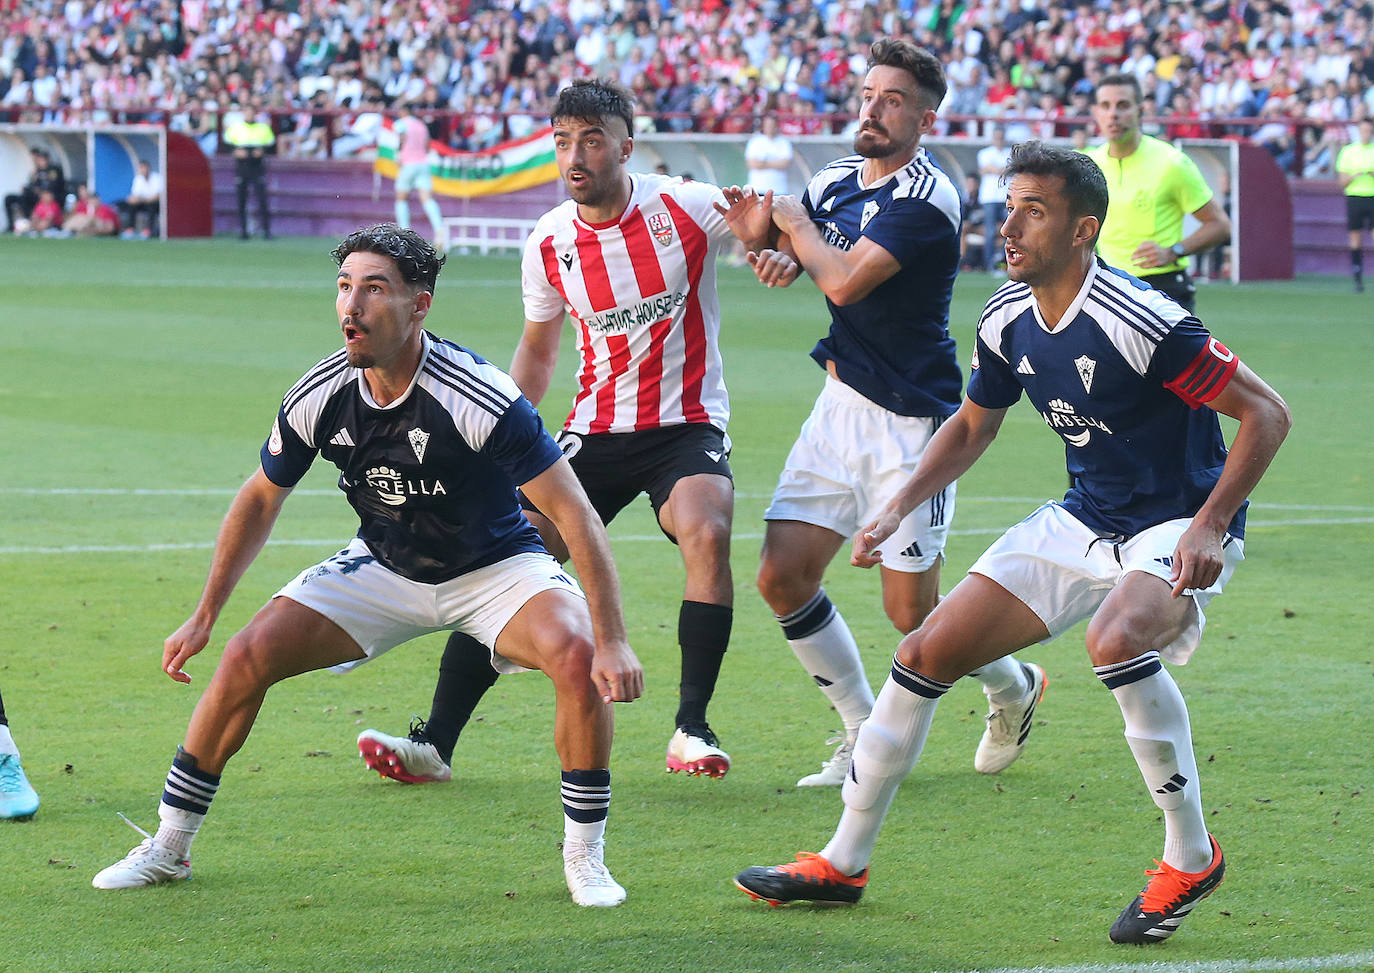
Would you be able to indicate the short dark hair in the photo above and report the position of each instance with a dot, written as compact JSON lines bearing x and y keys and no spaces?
{"x":1121,"y":80}
{"x":418,"y":261}
{"x":592,"y":99}
{"x":1085,"y":187}
{"x":921,"y":64}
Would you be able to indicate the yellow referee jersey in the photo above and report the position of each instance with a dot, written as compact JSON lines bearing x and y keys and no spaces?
{"x":1358,"y":158}
{"x":1148,"y":192}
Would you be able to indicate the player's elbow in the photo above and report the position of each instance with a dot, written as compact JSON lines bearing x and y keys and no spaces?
{"x":846,"y":291}
{"x":1271,"y":413}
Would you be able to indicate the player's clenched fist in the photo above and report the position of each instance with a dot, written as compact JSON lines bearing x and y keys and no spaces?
{"x":773,"y":267}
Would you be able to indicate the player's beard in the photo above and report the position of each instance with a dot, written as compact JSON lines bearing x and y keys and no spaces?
{"x":592,"y":193}
{"x":872,"y":144}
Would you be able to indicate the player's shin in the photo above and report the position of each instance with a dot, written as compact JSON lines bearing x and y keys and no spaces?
{"x":1160,"y":738}
{"x":824,"y":645}
{"x":889,"y":744}
{"x":186,"y":798}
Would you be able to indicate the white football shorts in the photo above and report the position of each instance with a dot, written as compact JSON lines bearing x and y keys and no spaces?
{"x":850,"y":458}
{"x":416,"y":175}
{"x":380,"y":609}
{"x":1063,"y":571}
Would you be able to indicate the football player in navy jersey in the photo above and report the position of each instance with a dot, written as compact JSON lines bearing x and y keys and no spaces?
{"x":431,"y":442}
{"x":1149,"y":532}
{"x":878,"y":232}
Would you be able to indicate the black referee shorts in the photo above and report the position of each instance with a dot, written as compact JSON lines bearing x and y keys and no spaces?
{"x":1359,"y":213}
{"x":1178,"y":285}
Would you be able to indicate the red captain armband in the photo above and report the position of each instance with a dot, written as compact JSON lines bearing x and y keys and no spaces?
{"x":1206,"y":375}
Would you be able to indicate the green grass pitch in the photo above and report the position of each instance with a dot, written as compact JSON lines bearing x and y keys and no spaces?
{"x":141,"y":380}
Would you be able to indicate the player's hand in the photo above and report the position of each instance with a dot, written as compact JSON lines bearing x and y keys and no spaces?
{"x":749,"y":215}
{"x":773,"y":267}
{"x":616,"y":673}
{"x":1198,"y":559}
{"x":1150,"y":255}
{"x":788,"y":211}
{"x":866,"y":553}
{"x":185,"y":642}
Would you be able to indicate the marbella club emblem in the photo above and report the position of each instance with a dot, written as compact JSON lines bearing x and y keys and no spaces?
{"x":661,"y":225}
{"x":1085,"y":366}
{"x":419,"y":439}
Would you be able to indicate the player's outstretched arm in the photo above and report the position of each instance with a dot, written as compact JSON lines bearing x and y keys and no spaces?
{"x":558,"y":495}
{"x":1264,"y":423}
{"x":536,"y":357}
{"x":844,"y":276}
{"x":955,"y":447}
{"x":749,"y":217}
{"x":245,"y":529}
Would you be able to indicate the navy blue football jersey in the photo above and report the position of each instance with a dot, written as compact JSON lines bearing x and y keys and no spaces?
{"x":433,"y":475}
{"x":893,"y":346}
{"x":1122,"y":379}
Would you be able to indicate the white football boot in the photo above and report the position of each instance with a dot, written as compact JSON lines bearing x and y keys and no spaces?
{"x":696,"y":750}
{"x":1009,"y":726}
{"x":411,"y":760}
{"x":833,"y":771}
{"x":148,"y":863}
{"x":589,"y":881}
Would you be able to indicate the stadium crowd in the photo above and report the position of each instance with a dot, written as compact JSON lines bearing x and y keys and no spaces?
{"x":489,"y":69}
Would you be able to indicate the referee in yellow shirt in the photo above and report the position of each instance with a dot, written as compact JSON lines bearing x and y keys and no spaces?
{"x":1150,"y":186}
{"x":1355,"y":169}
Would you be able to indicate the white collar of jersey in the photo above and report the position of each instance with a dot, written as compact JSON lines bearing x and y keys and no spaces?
{"x":366,"y":392}
{"x":1074,"y":308}
{"x":859,"y":175}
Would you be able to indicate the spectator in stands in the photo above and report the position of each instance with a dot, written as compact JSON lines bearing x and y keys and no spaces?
{"x":90,"y":215}
{"x":768,"y":155}
{"x":1276,"y":135}
{"x":144,"y":202}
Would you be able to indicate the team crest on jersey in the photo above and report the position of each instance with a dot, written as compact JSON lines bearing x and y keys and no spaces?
{"x":274,"y":443}
{"x":661,"y":226}
{"x":870,"y":211}
{"x":419,"y":439}
{"x":1086,"y":366}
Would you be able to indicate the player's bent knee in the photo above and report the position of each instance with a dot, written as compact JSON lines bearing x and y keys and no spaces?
{"x":1117,"y":640}
{"x":784,"y":591}
{"x":249,"y":658}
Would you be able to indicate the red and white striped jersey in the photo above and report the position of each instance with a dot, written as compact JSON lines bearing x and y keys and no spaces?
{"x":642,"y":294}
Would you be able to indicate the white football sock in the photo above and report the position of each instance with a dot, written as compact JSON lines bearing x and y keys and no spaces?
{"x":1161,"y":740}
{"x":402,"y":213}
{"x":436,"y":219}
{"x":889,"y":744}
{"x":1004,"y":680}
{"x":822,"y":642}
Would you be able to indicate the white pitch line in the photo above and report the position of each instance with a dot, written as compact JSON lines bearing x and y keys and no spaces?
{"x":1337,"y":962}
{"x":615,"y":539}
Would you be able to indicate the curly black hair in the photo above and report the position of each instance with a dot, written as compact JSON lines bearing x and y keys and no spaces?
{"x":418,"y":262}
{"x":593,"y":99}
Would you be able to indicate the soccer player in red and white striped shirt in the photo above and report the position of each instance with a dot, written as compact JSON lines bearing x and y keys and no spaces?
{"x":631,"y":258}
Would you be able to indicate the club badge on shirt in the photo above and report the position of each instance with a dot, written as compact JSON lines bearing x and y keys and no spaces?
{"x":661,"y":225}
